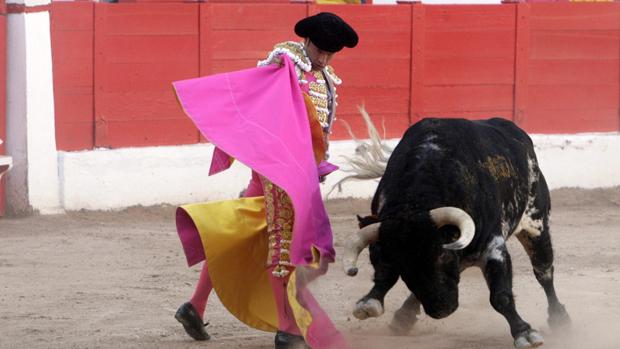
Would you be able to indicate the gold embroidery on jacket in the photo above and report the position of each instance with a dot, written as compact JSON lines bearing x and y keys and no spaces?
{"x":318,"y":94}
{"x":280,"y":218}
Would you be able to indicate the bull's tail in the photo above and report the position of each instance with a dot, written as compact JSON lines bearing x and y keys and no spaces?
{"x":370,"y":158}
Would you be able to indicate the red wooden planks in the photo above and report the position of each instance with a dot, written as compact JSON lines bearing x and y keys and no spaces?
{"x":469,"y":60}
{"x":573,"y":68}
{"x":140,"y":49}
{"x":588,"y":71}
{"x":72,"y":31}
{"x":464,"y":18}
{"x":468,"y":98}
{"x":571,"y":121}
{"x":576,"y":16}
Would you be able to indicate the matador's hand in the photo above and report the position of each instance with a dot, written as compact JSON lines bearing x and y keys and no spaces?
{"x":278,"y":60}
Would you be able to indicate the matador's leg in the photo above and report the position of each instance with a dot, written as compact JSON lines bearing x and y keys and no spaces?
{"x":280,"y":218}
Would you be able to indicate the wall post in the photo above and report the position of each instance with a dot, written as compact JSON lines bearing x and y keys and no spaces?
{"x":418,"y":50}
{"x":33,"y":183}
{"x":522,"y":56}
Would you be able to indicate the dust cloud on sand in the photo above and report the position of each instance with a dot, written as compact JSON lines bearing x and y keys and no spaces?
{"x":115,"y":279}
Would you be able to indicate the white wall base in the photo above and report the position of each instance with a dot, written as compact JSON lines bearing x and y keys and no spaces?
{"x":583,"y":160}
{"x":115,"y":179}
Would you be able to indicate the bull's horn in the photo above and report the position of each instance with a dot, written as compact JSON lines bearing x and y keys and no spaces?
{"x":353,"y":248}
{"x":455,"y":216}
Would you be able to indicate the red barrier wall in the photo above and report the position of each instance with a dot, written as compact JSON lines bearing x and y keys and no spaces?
{"x":550,"y":67}
{"x":72,"y":35}
{"x":2,"y":93}
{"x":466,"y":57}
{"x":139,"y":50}
{"x":573,"y":67}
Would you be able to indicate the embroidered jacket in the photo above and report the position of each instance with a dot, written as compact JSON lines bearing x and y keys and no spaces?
{"x":319,"y":85}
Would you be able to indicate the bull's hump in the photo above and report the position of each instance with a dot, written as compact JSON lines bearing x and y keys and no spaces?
{"x":498,"y":167}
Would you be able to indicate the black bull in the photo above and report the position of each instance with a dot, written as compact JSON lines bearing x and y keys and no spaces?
{"x":452,"y":193}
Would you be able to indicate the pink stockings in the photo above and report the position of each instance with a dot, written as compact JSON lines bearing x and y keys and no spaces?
{"x":286,"y":321}
{"x":202,"y":291}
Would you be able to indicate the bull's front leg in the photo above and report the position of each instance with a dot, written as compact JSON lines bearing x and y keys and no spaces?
{"x":498,"y":274}
{"x":405,"y":317}
{"x":385,"y":277}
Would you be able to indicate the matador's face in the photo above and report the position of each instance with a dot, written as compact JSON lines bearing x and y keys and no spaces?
{"x":319,"y":58}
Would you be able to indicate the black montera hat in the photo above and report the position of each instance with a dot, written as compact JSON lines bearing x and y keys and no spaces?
{"x":327,"y":31}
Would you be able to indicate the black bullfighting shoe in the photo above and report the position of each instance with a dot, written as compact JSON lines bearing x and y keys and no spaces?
{"x":188,"y":317}
{"x":290,"y":341}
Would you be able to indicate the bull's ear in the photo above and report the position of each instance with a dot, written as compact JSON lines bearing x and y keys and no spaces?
{"x":367,"y":220}
{"x":360,"y":221}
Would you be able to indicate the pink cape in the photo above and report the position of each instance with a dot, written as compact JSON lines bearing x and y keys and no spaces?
{"x":258,"y":116}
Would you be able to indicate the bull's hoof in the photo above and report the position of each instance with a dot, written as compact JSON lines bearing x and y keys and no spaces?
{"x":403,"y":321}
{"x":529,"y":339}
{"x":351,"y":271}
{"x":558,"y":318}
{"x":368,"y":308}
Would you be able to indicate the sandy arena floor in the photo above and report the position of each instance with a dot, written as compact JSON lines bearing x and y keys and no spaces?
{"x":115,"y":279}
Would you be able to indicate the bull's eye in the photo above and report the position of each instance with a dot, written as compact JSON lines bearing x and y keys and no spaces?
{"x":454,"y":235}
{"x":450,"y":233}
